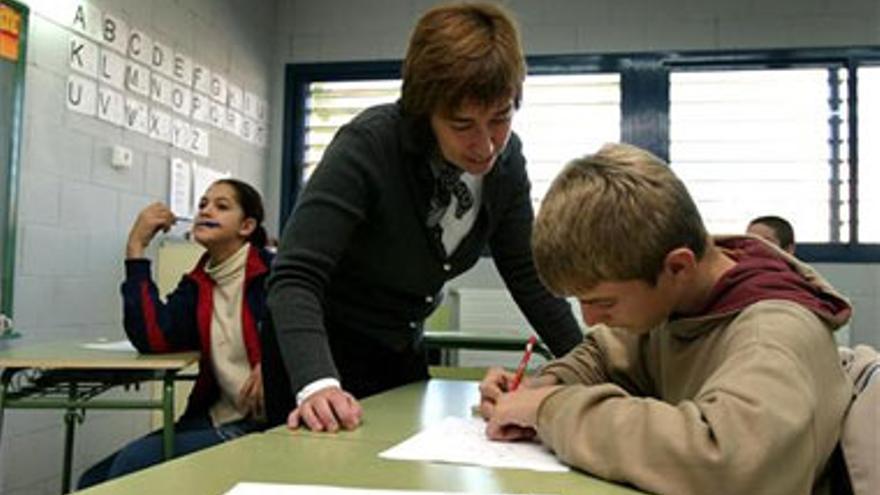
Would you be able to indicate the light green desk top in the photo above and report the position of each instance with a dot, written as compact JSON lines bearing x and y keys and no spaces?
{"x":72,"y":355}
{"x":312,"y":460}
{"x":351,"y":458}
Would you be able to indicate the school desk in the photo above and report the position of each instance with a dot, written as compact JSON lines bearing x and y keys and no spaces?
{"x":70,"y":377}
{"x":351,"y":458}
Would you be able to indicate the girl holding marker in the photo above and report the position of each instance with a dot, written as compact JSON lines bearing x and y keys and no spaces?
{"x":215,"y":309}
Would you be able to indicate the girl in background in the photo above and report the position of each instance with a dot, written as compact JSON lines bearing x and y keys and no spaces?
{"x":215,"y":309}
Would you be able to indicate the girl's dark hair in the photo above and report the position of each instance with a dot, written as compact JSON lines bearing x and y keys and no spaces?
{"x":252,"y":205}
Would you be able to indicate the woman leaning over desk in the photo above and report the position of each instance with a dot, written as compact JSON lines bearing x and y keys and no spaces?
{"x":215,"y":309}
{"x":407,"y":196}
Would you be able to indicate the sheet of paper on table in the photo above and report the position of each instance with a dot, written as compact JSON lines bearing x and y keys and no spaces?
{"x":463,"y":441}
{"x":115,"y":345}
{"x":246,"y":488}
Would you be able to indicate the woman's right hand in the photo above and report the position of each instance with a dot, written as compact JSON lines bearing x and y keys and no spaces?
{"x":149,"y":221}
{"x":329,"y":410}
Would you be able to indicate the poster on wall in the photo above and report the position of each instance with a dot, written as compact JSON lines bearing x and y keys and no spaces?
{"x":189,"y":181}
{"x":180,"y":189}
{"x":10,"y":33}
{"x":133,"y":79}
{"x":203,"y":177}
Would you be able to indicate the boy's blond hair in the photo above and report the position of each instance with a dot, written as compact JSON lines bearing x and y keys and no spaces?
{"x":461,"y":52}
{"x":613,"y":216}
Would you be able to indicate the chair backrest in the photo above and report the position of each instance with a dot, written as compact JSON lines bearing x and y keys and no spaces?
{"x":175,"y":258}
{"x":860,"y":438}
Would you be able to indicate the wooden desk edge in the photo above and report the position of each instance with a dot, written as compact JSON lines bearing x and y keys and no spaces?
{"x":108,"y":360}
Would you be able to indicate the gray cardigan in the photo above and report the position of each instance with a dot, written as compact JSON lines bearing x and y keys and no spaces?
{"x":357,"y":256}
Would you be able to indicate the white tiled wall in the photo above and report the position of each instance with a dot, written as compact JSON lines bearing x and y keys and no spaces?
{"x":861,"y":284}
{"x":336,"y":30}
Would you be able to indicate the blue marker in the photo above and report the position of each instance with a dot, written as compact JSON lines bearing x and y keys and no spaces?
{"x":201,"y":223}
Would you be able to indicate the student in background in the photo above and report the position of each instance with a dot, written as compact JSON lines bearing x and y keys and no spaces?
{"x":712,"y":367}
{"x":776,"y":230}
{"x":407,"y":196}
{"x":215,"y":309}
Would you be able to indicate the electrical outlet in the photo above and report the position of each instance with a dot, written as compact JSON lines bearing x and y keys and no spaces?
{"x":122,"y":157}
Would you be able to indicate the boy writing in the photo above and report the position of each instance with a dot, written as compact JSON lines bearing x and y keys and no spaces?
{"x":711,"y":367}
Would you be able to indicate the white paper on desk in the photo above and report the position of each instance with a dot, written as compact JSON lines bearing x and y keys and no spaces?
{"x":276,"y":489}
{"x":464,"y":441}
{"x":116,"y":345}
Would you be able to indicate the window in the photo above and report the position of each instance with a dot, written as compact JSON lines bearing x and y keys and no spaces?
{"x":750,"y":132}
{"x":869,"y":154}
{"x":758,"y":142}
{"x":332,"y":104}
{"x":589,"y":105}
{"x":563,"y":117}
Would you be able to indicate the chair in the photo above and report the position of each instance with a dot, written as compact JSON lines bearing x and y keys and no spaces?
{"x":860,"y":438}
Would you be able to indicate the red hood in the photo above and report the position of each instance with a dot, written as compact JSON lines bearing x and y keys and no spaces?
{"x":763,"y":272}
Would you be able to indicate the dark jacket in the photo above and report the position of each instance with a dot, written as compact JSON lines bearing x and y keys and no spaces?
{"x":357,"y":257}
{"x":183,"y":323}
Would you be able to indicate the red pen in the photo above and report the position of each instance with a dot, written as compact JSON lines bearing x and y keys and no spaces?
{"x":521,"y":369}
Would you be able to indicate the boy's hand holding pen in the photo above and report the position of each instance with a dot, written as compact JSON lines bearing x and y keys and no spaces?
{"x":511,"y":411}
{"x":499,"y":381}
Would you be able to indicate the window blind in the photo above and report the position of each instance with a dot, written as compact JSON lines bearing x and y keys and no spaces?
{"x":758,"y":142}
{"x":330,"y":105}
{"x":869,"y":154}
{"x":562,"y":117}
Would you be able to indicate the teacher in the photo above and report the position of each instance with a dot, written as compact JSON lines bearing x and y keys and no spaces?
{"x":407,"y":196}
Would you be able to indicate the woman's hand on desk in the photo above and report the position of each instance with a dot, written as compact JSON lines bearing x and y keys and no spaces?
{"x":327,"y":410}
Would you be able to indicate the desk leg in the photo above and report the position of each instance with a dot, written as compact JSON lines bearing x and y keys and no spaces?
{"x":168,"y":415}
{"x":71,"y":416}
{"x":5,"y":379}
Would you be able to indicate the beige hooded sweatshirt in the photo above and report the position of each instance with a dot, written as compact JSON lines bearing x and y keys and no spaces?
{"x":745,"y":398}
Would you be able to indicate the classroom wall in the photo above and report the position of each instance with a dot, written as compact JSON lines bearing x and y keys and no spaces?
{"x":75,"y":209}
{"x":335,"y":30}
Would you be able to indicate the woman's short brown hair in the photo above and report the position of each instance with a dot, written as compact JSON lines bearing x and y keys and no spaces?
{"x":461,"y":52}
{"x":613,"y":216}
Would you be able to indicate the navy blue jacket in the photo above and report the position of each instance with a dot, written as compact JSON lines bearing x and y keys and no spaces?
{"x":183,"y":323}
